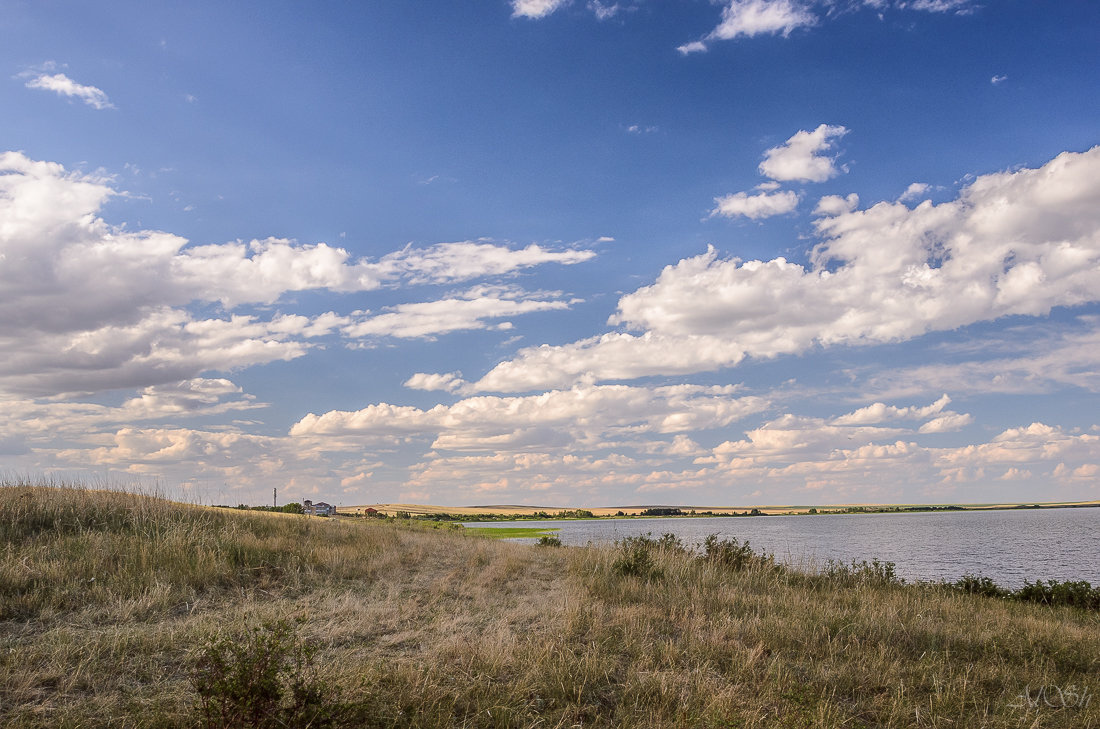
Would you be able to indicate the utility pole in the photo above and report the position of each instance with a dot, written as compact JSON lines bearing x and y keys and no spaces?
{"x":275,"y":497}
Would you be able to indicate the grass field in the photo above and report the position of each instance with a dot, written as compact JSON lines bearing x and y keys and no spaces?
{"x":112,"y":607}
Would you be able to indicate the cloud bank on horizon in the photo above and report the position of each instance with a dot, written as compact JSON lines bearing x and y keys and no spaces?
{"x":780,"y":293}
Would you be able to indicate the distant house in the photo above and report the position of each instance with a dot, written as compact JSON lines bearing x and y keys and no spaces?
{"x":318,"y":509}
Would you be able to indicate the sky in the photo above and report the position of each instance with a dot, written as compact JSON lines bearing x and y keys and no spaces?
{"x":553,"y":252}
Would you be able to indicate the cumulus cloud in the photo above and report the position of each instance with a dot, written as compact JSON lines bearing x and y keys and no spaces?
{"x":881,"y":412}
{"x":464,"y":260}
{"x":476,"y":308}
{"x":165,"y":345}
{"x":1030,"y":447}
{"x":85,"y":305}
{"x":802,"y":454}
{"x":914,"y":192}
{"x":536,"y":8}
{"x":43,"y":422}
{"x":802,"y":157}
{"x":755,"y":207}
{"x":612,"y":356}
{"x":1012,"y":243}
{"x":448,"y":382}
{"x":748,"y":18}
{"x":761,"y":17}
{"x":557,"y":417}
{"x":947,"y":423}
{"x":62,"y":85}
{"x":835,"y":204}
{"x":692,"y":47}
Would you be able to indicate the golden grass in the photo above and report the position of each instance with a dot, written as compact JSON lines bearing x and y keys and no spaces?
{"x":426,"y":627}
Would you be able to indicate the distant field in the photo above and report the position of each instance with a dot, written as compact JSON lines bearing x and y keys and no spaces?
{"x":523,"y":510}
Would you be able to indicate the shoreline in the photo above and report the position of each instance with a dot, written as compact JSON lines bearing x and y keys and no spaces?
{"x":505,"y":512}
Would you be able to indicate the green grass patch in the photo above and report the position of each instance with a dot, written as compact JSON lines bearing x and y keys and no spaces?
{"x":511,"y":532}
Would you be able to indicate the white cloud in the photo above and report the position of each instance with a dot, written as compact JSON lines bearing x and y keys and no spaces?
{"x":758,"y":17}
{"x":835,"y":204}
{"x":448,"y":382}
{"x":557,"y":417}
{"x":961,"y":7}
{"x":914,"y":192}
{"x":780,"y":439}
{"x":603,"y":11}
{"x":947,"y":423}
{"x":800,"y":157}
{"x":1012,"y":243}
{"x":1031,"y":446}
{"x":536,"y":8}
{"x":997,"y":80}
{"x":880,"y":413}
{"x":473,"y":309}
{"x":612,"y":356}
{"x":799,"y":454}
{"x":41,"y":423}
{"x":62,"y":85}
{"x":693,"y":47}
{"x":755,"y":207}
{"x":85,"y":305}
{"x":165,"y":345}
{"x":465,"y":260}
{"x":748,"y":18}
{"x":1039,"y":360}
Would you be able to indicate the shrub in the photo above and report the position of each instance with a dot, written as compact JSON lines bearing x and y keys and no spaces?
{"x":978,"y":585}
{"x":875,"y":572}
{"x":732,"y":554}
{"x":1074,"y":594}
{"x":636,"y":555}
{"x":549,"y":540}
{"x":264,"y":679}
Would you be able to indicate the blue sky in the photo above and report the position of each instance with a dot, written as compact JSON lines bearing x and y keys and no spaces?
{"x":553,"y":252}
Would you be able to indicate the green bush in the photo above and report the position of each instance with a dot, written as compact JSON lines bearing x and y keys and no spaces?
{"x":265,"y":679}
{"x":636,"y":557}
{"x":549,"y":540}
{"x":862,"y":572}
{"x":978,"y":585}
{"x":732,"y":554}
{"x":1073,"y":594}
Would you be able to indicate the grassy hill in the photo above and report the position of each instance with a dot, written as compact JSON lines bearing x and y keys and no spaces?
{"x":123,"y":610}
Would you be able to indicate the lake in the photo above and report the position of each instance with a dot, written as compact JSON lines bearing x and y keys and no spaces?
{"x":1008,"y":546}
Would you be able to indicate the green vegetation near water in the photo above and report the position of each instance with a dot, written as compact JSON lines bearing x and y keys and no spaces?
{"x":122,"y":610}
{"x":510,"y":532}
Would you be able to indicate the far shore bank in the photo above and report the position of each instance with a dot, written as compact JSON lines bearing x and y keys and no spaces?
{"x":514,"y":511}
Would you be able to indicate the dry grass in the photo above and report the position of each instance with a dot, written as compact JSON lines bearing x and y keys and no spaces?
{"x":106,"y":598}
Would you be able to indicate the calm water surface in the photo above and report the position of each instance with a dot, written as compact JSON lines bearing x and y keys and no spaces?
{"x":1010,"y":547}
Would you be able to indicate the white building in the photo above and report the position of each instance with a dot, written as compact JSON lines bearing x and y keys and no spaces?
{"x":318,"y":509}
